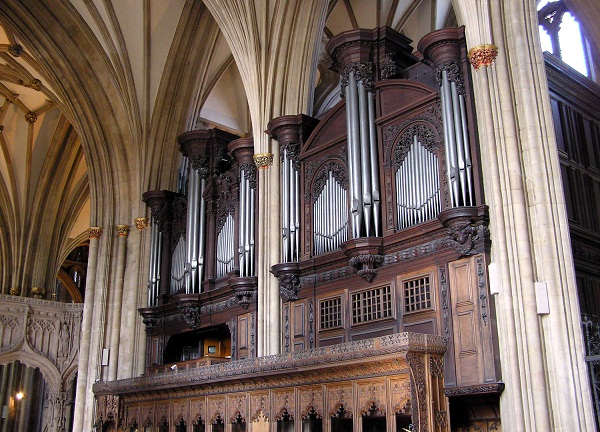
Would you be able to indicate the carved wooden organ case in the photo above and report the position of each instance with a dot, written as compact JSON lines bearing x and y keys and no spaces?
{"x":384,"y":229}
{"x":202,"y":282}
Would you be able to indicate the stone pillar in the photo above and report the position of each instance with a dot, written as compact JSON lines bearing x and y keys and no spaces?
{"x":122,"y":234}
{"x":541,"y":353}
{"x":26,"y":401}
{"x":86,"y":329}
{"x":134,"y":296}
{"x":55,"y":413}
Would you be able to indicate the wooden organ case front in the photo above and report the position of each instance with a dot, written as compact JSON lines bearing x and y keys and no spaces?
{"x":384,"y":226}
{"x":202,"y":286}
{"x":386,"y":311}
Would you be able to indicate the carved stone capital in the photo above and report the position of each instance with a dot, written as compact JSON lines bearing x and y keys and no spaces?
{"x":141,"y":223}
{"x":95,"y":232}
{"x":122,"y":230}
{"x":482,"y":55}
{"x":263,"y":160}
{"x":14,"y":291}
{"x":37,"y":292}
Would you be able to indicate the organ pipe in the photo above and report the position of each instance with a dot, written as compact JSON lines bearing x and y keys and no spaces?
{"x":458,"y":159}
{"x":363,"y":162}
{"x":154,"y":266}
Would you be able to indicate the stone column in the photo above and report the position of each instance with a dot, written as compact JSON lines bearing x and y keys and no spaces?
{"x":26,"y":401}
{"x":86,"y":329}
{"x":132,"y":346}
{"x":122,"y":234}
{"x":541,"y":353}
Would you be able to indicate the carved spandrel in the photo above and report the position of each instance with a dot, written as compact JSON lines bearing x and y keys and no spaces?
{"x":216,"y":409}
{"x":284,"y":402}
{"x":372,"y":394}
{"x":237,"y":408}
{"x":259,"y":406}
{"x":311,"y":400}
{"x":339,"y":397}
{"x":198,"y":410}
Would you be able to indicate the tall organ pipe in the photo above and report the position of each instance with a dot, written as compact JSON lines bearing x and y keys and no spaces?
{"x":354,"y":155}
{"x":374,"y":165}
{"x":365,"y":157}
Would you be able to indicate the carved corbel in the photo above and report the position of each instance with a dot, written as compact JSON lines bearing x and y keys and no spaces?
{"x":245,"y":289}
{"x":468,"y":232}
{"x":189,"y":308}
{"x":288,"y":275}
{"x":366,"y":255}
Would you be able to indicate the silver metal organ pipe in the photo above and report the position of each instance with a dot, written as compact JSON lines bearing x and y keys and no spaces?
{"x":365,"y":166}
{"x":450,"y":143}
{"x":151,"y":265}
{"x":296,"y":204}
{"x":467,"y":151}
{"x":460,"y":156}
{"x":354,"y":154}
{"x":251,"y":232}
{"x":192,"y":214}
{"x":376,"y":196}
{"x":157,"y":266}
{"x":201,"y":234}
{"x":242,"y":224}
{"x":285,"y":208}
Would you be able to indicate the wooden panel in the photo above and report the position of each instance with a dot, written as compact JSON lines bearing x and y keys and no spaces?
{"x":299,"y":319}
{"x":427,"y":327}
{"x":465,"y":336}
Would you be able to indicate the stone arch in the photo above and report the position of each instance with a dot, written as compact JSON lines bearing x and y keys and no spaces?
{"x":51,"y":375}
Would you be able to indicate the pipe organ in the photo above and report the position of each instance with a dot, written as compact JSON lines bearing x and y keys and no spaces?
{"x":384,"y":239}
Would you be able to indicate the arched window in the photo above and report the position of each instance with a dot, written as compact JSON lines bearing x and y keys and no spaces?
{"x":561,"y":35}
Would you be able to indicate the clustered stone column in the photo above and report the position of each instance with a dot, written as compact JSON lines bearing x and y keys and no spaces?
{"x":122,"y":234}
{"x":83,"y":378}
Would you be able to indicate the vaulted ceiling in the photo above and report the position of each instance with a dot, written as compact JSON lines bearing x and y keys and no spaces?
{"x":45,"y":170}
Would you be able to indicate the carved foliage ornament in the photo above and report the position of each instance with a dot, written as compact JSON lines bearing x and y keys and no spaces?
{"x":290,"y":149}
{"x":263,"y":160}
{"x":289,"y":286}
{"x":482,"y":55}
{"x":141,"y":223}
{"x":424,"y":135}
{"x":339,"y":174}
{"x":122,"y":230}
{"x":366,"y":265}
{"x":95,"y":232}
{"x":363,"y":71}
{"x":454,"y":74}
{"x":190,"y":313}
{"x":250,"y":173}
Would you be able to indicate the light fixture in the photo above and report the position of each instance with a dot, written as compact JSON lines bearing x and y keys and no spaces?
{"x":19,"y":395}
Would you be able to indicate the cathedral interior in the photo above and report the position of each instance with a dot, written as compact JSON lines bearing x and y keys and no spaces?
{"x":299,"y":216}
